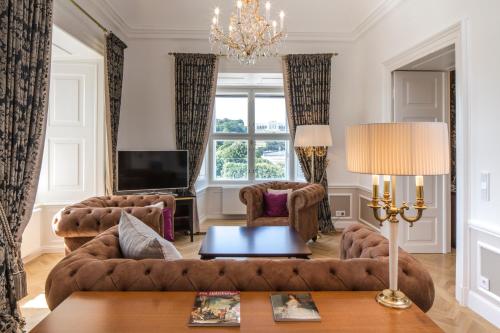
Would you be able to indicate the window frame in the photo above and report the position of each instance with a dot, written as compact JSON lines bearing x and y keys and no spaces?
{"x":251,"y":136}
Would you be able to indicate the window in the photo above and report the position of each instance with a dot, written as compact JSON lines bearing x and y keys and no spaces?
{"x":250,"y":140}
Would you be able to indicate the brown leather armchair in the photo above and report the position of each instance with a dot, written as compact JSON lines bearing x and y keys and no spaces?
{"x":81,"y":222}
{"x":303,"y":207}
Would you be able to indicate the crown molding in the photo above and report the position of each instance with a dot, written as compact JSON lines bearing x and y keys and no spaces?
{"x":106,"y":9}
{"x":374,"y":17}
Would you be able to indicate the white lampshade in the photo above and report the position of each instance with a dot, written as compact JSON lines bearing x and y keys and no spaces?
{"x":400,"y":149}
{"x":313,"y":136}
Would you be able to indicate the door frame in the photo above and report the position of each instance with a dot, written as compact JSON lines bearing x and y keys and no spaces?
{"x":444,"y":230}
{"x":456,"y":35}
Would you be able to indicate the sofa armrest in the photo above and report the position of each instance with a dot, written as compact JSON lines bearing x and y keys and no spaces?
{"x":89,"y":222}
{"x":253,"y":198}
{"x":358,"y":241}
{"x":307,"y":196}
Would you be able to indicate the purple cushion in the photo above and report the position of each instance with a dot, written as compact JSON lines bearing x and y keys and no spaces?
{"x":275,"y":205}
{"x":168,"y":226}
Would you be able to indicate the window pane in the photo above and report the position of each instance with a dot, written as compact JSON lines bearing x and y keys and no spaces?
{"x":271,"y":159}
{"x":231,"y":159}
{"x":299,"y":175}
{"x":231,"y":114}
{"x":270,"y":114}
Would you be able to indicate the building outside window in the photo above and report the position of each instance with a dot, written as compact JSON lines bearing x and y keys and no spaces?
{"x":250,"y":140}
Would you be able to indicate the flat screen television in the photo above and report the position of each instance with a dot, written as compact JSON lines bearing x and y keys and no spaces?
{"x":152,"y":170}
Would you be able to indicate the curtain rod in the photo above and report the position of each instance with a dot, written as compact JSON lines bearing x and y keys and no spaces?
{"x":225,"y":55}
{"x":89,"y":16}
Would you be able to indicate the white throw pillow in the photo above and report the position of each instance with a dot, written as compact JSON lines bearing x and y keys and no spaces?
{"x":139,"y":241}
{"x":288,"y":195}
{"x":160,"y":205}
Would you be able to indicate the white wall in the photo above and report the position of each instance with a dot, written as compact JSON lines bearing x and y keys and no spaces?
{"x":147,"y":116}
{"x":412,"y":22}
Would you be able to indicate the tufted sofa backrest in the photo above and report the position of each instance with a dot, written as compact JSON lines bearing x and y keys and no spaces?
{"x":99,"y":266}
{"x":80,"y":222}
{"x":124,"y":201}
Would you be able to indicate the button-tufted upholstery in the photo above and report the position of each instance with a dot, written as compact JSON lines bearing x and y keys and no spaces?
{"x":98,"y":266}
{"x":83,"y":221}
{"x":303,"y":207}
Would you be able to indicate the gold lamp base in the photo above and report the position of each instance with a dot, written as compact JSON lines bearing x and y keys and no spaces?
{"x":393,"y":299}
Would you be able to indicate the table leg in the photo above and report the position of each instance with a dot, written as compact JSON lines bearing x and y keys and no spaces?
{"x":191,"y":220}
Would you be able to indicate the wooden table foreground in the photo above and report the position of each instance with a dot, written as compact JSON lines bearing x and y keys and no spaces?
{"x":122,"y":312}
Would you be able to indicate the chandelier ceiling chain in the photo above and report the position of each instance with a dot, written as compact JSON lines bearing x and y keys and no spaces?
{"x":250,"y":35}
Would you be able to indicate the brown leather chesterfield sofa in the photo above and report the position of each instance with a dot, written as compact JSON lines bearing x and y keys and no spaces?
{"x":98,"y":266}
{"x":303,"y":206}
{"x":83,"y":221}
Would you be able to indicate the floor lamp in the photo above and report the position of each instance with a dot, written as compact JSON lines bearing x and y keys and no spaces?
{"x":314,"y":139}
{"x":397,"y":149}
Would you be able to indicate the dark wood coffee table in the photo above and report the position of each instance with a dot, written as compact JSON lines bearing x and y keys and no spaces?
{"x":225,"y":241}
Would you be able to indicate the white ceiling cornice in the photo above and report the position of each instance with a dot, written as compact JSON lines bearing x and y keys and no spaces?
{"x":375,"y":16}
{"x":106,"y":9}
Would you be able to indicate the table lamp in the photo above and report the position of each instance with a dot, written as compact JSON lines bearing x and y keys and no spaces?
{"x":397,"y":149}
{"x":314,"y":139}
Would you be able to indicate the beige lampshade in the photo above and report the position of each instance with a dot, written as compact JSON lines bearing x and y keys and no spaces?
{"x":404,"y":149}
{"x":313,"y":136}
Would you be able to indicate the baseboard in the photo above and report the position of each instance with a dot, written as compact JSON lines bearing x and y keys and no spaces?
{"x":484,"y":308}
{"x":43,"y":250}
{"x":369,"y":225}
{"x":222,"y":217}
{"x":31,"y":256}
{"x":343,"y":224}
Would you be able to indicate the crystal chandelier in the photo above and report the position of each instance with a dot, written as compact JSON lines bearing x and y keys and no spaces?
{"x":250,"y":35}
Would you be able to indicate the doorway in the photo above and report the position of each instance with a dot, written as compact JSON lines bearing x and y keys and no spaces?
{"x":73,"y":160}
{"x":456,"y":35}
{"x":423,"y":91}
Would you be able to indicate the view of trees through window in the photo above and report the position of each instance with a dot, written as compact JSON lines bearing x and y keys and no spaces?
{"x":250,"y":139}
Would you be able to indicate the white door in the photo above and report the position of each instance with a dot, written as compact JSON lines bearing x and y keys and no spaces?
{"x":424,"y":96}
{"x":69,"y":169}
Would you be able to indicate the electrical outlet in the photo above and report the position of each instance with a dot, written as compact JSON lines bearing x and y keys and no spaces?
{"x":340,"y":213}
{"x":484,"y":283}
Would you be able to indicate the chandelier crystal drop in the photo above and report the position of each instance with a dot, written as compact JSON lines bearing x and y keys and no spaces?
{"x":249,"y":35}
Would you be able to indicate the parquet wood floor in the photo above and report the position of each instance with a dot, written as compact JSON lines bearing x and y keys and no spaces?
{"x":445,"y":312}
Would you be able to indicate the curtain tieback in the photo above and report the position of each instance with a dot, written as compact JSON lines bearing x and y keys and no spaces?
{"x":16,"y":264}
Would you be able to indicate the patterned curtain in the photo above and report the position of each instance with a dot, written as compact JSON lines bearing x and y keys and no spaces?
{"x":114,"y":74}
{"x":195,"y":84}
{"x":25,"y":47}
{"x":307,"y":89}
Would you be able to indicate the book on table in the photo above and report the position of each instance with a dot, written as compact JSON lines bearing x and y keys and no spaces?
{"x":294,"y":307}
{"x":216,"y":308}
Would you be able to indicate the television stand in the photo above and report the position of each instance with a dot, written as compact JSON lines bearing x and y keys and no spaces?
{"x":184,"y":208}
{"x":147,"y":193}
{"x":184,"y":214}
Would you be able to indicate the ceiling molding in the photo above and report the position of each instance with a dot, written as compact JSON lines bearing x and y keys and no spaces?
{"x":107,"y":10}
{"x":375,"y":16}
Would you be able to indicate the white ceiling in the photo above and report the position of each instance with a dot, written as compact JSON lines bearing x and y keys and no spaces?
{"x":337,"y":18}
